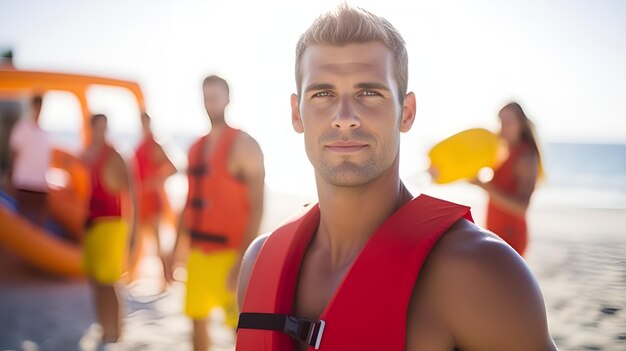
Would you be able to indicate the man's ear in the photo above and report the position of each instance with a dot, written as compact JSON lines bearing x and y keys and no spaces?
{"x":408,"y":112}
{"x":296,"y":118}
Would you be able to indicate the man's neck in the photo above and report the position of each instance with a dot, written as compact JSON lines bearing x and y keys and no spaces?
{"x":350,"y":215}
{"x":218,"y":127}
{"x":96,"y":145}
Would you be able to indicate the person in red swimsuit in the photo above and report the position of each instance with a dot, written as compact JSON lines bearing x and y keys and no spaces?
{"x":513,"y":182}
{"x":110,"y":227}
{"x":152,"y":168}
{"x":447,"y":283}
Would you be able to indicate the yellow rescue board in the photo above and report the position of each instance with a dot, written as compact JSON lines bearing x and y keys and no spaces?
{"x":462,"y":155}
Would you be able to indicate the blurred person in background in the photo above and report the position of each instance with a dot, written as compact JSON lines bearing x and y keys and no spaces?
{"x":152,"y":167}
{"x":514,"y":181}
{"x":109,"y":228}
{"x":222,"y":214}
{"x":6,"y":60}
{"x":10,"y":113}
{"x":29,"y":161}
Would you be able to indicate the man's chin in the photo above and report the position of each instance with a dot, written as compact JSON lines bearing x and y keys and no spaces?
{"x":348,"y":176}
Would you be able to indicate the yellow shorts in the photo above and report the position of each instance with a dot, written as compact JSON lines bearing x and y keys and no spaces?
{"x":207,"y":276}
{"x":105,"y":250}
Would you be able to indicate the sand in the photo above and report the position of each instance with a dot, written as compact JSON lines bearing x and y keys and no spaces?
{"x":581,"y":269}
{"x":578,"y":256}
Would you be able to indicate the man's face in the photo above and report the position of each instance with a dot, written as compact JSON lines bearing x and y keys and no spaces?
{"x":215,"y":100}
{"x":349,"y":112}
{"x":99,"y":130}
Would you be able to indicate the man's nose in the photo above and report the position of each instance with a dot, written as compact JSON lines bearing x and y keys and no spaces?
{"x":346,"y":116}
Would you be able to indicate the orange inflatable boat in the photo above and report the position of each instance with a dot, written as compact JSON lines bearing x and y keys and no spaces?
{"x":59,"y":255}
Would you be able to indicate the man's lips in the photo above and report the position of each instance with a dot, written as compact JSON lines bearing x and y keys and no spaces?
{"x":346,"y":146}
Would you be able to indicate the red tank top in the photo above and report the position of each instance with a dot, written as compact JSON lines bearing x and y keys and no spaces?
{"x":217,"y":212}
{"x":102,"y":203}
{"x":368,"y":311}
{"x":146,"y":169}
{"x":504,"y":178}
{"x":509,"y":226}
{"x":146,"y":166}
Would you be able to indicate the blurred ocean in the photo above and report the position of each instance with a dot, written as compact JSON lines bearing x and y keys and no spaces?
{"x":585,"y":175}
{"x":592,"y":166}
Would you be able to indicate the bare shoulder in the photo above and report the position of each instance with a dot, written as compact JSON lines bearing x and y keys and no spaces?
{"x":247,"y":264}
{"x":117,"y":161}
{"x":247,"y":144}
{"x":488,"y":296}
{"x":470,"y":253}
{"x":248,"y":157}
{"x":467,"y":243}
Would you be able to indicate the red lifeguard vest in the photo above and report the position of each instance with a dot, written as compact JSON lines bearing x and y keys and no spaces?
{"x":218,"y":206}
{"x":509,"y":226}
{"x":368,"y":311}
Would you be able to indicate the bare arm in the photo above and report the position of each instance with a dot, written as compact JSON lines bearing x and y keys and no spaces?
{"x":253,"y":170}
{"x":183,"y":240}
{"x":250,"y":159}
{"x":14,"y":140}
{"x":181,"y":248}
{"x":526,"y":171}
{"x":247,"y":264}
{"x":11,"y":163}
{"x":166,"y":167}
{"x":492,"y":300}
{"x":119,"y":179}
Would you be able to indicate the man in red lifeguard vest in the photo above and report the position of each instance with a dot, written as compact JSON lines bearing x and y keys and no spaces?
{"x":371,"y":267}
{"x":222,"y":214}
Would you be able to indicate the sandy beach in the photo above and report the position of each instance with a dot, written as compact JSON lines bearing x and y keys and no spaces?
{"x":578,"y":256}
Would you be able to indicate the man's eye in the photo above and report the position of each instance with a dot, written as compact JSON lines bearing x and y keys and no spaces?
{"x":322,"y":94}
{"x":370,"y":93}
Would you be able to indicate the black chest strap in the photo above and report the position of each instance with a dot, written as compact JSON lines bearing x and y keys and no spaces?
{"x":304,"y":330}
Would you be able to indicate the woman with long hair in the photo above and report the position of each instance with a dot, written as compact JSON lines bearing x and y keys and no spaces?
{"x":513,"y":182}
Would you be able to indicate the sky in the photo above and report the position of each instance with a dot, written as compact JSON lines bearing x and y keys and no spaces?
{"x":564,"y":61}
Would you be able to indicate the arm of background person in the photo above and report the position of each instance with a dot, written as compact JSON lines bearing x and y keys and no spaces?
{"x":493,"y":301}
{"x":182,"y":245}
{"x":123,"y":183}
{"x":15,"y":140}
{"x":166,"y":167}
{"x":183,"y":242}
{"x":253,"y":171}
{"x":526,"y":171}
{"x":9,"y":174}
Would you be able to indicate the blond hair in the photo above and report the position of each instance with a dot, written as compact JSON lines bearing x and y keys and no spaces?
{"x":346,"y":25}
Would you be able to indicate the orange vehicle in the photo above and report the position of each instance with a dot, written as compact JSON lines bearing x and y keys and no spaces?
{"x":67,"y":203}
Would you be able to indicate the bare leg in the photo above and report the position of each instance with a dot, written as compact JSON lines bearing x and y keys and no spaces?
{"x":138,"y":252}
{"x":200,"y":335}
{"x":160,"y":253}
{"x":108,"y":310}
